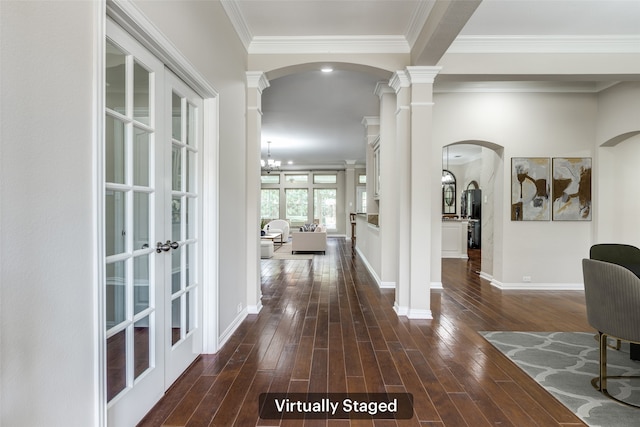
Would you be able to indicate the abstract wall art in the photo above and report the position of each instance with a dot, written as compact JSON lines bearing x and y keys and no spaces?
{"x":571,"y":199}
{"x":530,"y":178}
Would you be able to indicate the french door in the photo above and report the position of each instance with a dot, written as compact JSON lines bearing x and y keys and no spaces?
{"x":153,"y":133}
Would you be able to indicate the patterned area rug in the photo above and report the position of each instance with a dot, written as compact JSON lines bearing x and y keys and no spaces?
{"x":564,"y":364}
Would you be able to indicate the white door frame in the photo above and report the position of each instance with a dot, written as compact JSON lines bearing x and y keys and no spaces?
{"x":129,"y":17}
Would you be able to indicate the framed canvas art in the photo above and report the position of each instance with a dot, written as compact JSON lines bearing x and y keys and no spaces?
{"x":530,"y":178}
{"x":571,"y":189}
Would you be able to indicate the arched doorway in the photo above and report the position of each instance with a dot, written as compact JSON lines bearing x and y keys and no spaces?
{"x":312,"y":116}
{"x":617,"y":178}
{"x":479,"y":169}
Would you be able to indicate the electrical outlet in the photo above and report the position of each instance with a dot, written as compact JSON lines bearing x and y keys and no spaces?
{"x":239,"y":308}
{"x":526,"y":279}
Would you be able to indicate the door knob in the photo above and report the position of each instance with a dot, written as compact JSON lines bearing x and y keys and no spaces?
{"x":160,"y":247}
{"x":166,"y":247}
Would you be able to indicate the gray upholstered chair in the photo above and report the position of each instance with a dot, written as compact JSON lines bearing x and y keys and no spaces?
{"x":612,"y":295}
{"x":625,"y":255}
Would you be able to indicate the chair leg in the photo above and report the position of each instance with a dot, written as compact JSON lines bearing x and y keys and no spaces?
{"x":603,"y":361}
{"x":600,"y":382}
{"x":616,"y":347}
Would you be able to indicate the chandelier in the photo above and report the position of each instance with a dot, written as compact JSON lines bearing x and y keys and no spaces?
{"x":269,"y":164}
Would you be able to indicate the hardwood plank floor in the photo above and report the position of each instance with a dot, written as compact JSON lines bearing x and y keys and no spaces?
{"x":327,"y":327}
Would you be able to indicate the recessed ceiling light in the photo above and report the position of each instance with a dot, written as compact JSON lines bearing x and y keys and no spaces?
{"x":290,"y":162}
{"x":326,"y":69}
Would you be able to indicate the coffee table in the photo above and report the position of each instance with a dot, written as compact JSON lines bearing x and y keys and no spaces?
{"x":274,"y":237}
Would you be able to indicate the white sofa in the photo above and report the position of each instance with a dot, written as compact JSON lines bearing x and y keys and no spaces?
{"x":278,"y":226}
{"x":309,"y":241}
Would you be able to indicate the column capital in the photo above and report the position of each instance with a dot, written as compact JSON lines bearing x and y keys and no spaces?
{"x":399,"y":79}
{"x":257,"y":80}
{"x":423,"y":74}
{"x":383,"y":88}
{"x":350,"y":164}
{"x":371,"y":121}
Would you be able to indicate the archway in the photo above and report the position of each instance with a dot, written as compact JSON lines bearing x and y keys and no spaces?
{"x":616,"y":181}
{"x":313,"y":119}
{"x":479,"y":165}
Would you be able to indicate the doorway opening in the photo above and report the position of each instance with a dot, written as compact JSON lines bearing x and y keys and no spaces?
{"x":478,"y":168}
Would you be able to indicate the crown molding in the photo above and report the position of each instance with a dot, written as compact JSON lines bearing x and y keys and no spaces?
{"x":237,"y":21}
{"x":423,"y":9}
{"x":328,"y":44}
{"x":523,"y":87}
{"x":545,"y":44}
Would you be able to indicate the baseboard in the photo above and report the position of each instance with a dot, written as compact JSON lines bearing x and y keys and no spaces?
{"x":369,"y":268}
{"x":486,"y":276}
{"x":415,"y":313}
{"x":224,"y":337}
{"x":412,"y":313}
{"x":387,"y":285}
{"x":400,"y":311}
{"x":538,"y":286}
{"x":254,"y":309}
{"x":454,"y":255}
{"x":436,"y":285}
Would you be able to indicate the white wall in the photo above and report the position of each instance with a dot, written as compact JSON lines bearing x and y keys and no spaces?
{"x":527,"y":125}
{"x":618,"y":111}
{"x":620,"y":205}
{"x":46,"y":224}
{"x":47,"y":248}
{"x":203,"y":33}
{"x":368,"y":246}
{"x":616,"y":168}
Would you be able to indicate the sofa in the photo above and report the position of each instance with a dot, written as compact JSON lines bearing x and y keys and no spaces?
{"x":278,"y":226}
{"x":309,"y":241}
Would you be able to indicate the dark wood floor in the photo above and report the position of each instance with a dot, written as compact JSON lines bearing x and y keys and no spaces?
{"x":326,"y":326}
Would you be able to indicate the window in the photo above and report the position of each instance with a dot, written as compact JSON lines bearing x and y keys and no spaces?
{"x":270,"y":179}
{"x":324,"y":207}
{"x":270,"y":203}
{"x":362,"y":179}
{"x":324,"y":179}
{"x":297,"y":179}
{"x":297,"y":206}
{"x":361,"y":201}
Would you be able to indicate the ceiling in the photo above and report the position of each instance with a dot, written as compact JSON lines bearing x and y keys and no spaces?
{"x":314,"y":119}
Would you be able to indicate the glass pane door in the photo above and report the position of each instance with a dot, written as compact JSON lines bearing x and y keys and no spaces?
{"x":152,"y":285}
{"x":133,"y":203}
{"x":184,"y":335}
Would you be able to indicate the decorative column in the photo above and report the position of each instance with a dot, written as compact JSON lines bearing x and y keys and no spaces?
{"x":389,"y":186}
{"x":372,"y":132}
{"x":419,"y":175}
{"x":350,"y":194}
{"x":426,"y":182}
{"x":400,"y":83}
{"x":256,"y":83}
